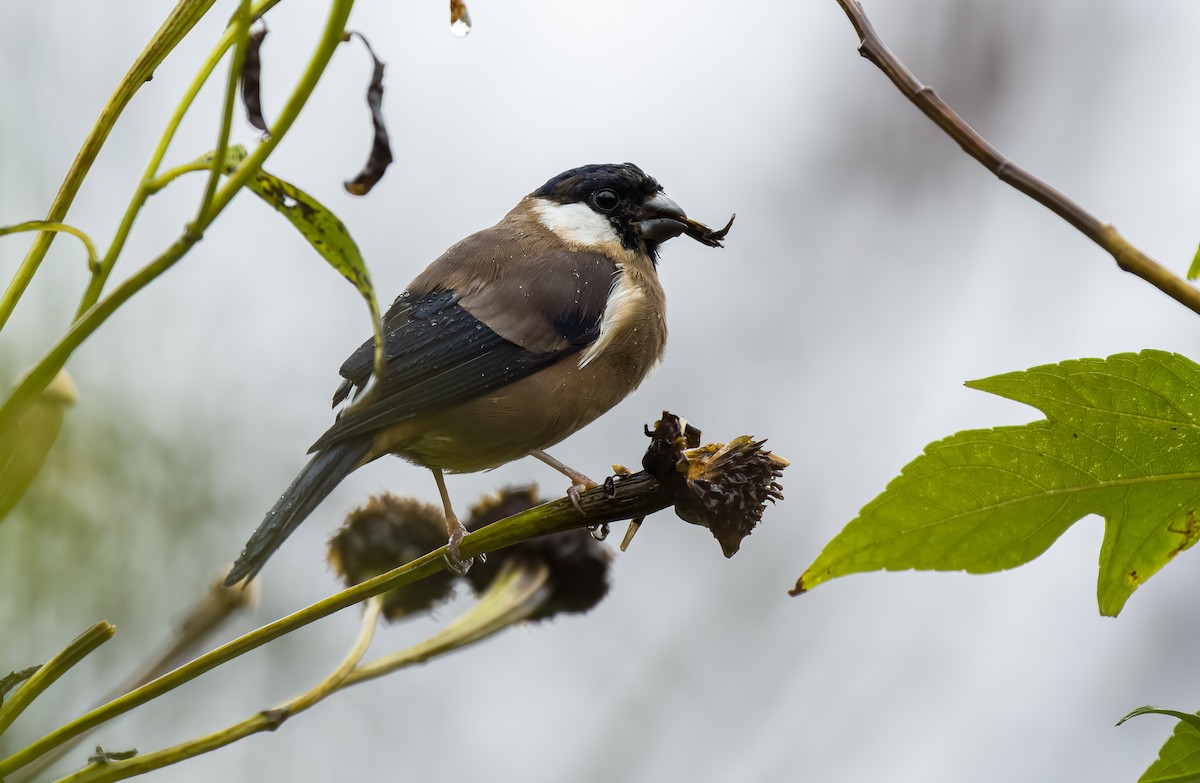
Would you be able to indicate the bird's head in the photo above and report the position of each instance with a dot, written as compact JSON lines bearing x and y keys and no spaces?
{"x":610,"y":202}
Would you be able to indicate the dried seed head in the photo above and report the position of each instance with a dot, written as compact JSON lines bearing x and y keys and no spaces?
{"x":724,"y":487}
{"x":578,"y":563}
{"x":387,"y":532}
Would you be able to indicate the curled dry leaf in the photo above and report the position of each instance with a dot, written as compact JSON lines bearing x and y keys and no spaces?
{"x":381,"y":148}
{"x":252,"y":79}
{"x":705,"y":235}
{"x":102,"y":756}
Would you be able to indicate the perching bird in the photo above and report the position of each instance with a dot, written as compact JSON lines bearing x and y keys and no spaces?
{"x":512,"y":340}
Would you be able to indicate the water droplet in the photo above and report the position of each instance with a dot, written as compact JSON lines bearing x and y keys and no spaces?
{"x":599,"y":532}
{"x":460,"y":18}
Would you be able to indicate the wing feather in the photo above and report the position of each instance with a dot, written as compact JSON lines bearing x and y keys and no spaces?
{"x":445,"y":346}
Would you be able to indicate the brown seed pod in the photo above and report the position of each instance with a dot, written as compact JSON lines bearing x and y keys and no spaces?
{"x":387,"y":532}
{"x":723,"y":487}
{"x":578,"y":563}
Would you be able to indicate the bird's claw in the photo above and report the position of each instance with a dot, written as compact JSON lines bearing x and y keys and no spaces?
{"x":573,"y":494}
{"x":580,"y":486}
{"x":453,"y":556}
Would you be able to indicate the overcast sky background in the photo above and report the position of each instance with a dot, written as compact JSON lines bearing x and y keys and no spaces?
{"x":873,"y":268}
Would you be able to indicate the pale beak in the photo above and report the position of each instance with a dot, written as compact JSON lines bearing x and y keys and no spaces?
{"x":662,"y":219}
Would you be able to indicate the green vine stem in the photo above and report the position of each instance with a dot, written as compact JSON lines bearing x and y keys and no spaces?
{"x":178,"y":24}
{"x":209,"y":615}
{"x":151,"y":181}
{"x":241,"y":34}
{"x":516,"y":593}
{"x":265,"y":720}
{"x":37,"y":377}
{"x":93,"y":258}
{"x":633,"y":496}
{"x":50,"y":671}
{"x":518,"y":590}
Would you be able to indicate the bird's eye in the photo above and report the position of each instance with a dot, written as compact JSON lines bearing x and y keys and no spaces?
{"x":605,"y":200}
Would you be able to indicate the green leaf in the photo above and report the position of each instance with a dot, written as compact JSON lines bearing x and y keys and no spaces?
{"x":1179,"y":758}
{"x":1120,"y":440}
{"x":1194,"y":269}
{"x":24,"y":445}
{"x":323,"y":230}
{"x":1193,"y":719}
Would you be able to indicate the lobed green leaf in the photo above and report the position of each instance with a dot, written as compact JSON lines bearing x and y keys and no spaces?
{"x":1120,"y":440}
{"x":1179,"y":758}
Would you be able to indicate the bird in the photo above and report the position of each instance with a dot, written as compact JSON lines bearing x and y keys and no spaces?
{"x":510,"y":341}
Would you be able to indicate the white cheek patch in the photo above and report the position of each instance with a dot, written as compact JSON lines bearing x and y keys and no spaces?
{"x":622,"y":303}
{"x":576,"y":224}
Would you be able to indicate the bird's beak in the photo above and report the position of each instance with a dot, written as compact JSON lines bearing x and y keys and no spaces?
{"x":662,"y":219}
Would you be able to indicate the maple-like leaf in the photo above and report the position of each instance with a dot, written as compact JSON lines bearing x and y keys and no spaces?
{"x":1120,"y":439}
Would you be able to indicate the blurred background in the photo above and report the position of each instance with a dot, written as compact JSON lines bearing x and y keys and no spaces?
{"x":873,"y":268}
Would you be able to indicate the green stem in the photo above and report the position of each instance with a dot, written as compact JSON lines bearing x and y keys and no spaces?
{"x":241,"y":26}
{"x":636,"y":495}
{"x":31,"y":384}
{"x":204,"y":619}
{"x":164,"y":179}
{"x":150,"y":182}
{"x":93,"y":258}
{"x":516,"y":592}
{"x":39,"y":376}
{"x":56,"y":667}
{"x":179,"y":22}
{"x":331,"y":36}
{"x":266,"y":720}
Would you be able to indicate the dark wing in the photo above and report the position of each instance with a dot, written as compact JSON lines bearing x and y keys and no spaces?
{"x":439,"y":353}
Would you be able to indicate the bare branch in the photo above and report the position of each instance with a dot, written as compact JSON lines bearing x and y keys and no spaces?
{"x":1128,"y":257}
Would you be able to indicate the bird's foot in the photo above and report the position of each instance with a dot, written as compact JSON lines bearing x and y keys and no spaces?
{"x":581,"y":484}
{"x":453,"y":556}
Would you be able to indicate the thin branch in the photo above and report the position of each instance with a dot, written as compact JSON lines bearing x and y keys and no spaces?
{"x":151,"y":182}
{"x":93,"y":257}
{"x":639,"y":494}
{"x":219,"y":604}
{"x":56,"y":667}
{"x":264,"y":720}
{"x":37,"y":377}
{"x":516,"y":593}
{"x":179,"y":22}
{"x":241,"y":25}
{"x":1128,"y":257}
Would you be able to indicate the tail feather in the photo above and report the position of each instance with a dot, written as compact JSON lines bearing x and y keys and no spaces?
{"x":322,"y":473}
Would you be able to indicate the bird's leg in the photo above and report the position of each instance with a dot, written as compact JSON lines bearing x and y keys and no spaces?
{"x":579,"y":482}
{"x":454,"y":529}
